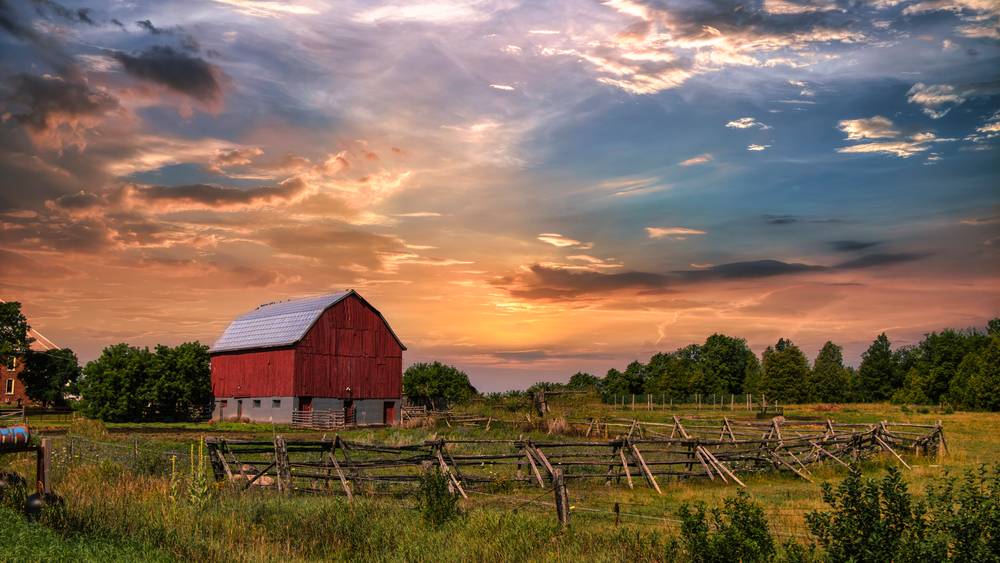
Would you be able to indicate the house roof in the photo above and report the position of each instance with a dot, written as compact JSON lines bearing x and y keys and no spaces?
{"x":282,"y":323}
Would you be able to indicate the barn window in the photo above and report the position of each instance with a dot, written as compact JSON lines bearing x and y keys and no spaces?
{"x":223,"y":404}
{"x":256,"y":403}
{"x":275,"y":403}
{"x":9,"y":388}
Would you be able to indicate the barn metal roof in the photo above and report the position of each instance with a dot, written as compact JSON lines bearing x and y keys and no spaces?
{"x":282,"y":323}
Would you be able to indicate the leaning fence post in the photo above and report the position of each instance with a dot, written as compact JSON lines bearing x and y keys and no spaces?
{"x":562,"y":498}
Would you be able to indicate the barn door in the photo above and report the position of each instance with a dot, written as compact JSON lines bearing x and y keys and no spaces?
{"x":389,"y":412}
{"x":306,"y":404}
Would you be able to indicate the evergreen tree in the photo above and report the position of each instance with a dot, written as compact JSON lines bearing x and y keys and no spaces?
{"x":877,"y":375}
{"x":830,"y":380}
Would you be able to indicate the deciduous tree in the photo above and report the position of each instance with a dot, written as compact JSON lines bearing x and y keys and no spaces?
{"x":48,"y":376}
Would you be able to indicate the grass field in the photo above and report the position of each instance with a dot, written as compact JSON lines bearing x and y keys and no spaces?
{"x":115,"y":511}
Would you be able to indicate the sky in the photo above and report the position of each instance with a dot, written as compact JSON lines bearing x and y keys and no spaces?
{"x":524,"y":189}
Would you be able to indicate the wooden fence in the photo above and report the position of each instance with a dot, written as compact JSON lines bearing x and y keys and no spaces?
{"x":647,"y":452}
{"x":323,"y":420}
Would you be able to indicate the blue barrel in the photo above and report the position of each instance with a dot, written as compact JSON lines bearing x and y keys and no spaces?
{"x":14,"y":438}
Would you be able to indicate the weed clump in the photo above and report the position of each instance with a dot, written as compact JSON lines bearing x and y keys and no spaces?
{"x":438,"y":504}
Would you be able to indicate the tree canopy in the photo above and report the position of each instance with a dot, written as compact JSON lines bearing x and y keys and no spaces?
{"x":14,"y":339}
{"x":127,"y":383}
{"x":430,"y":381}
{"x":50,"y":375}
{"x":878,"y":374}
{"x":830,"y":380}
{"x":785,"y":372}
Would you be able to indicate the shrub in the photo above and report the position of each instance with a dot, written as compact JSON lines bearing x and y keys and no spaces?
{"x":878,"y":521}
{"x":868,"y":519}
{"x":437,"y":504}
{"x":739,"y":532}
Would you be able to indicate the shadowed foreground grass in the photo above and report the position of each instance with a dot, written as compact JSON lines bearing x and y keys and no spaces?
{"x":105,"y":502}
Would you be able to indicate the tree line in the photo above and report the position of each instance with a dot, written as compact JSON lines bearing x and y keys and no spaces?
{"x":960,"y":368}
{"x":125,"y":383}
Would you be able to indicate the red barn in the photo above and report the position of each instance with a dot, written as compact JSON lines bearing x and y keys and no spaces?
{"x":329,"y":353}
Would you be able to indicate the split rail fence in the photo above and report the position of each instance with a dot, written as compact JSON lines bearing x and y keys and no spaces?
{"x":649,"y":453}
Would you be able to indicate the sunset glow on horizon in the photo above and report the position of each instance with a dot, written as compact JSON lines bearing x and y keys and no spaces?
{"x":524,"y":189}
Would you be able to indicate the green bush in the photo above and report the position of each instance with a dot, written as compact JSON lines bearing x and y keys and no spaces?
{"x":737,"y":532}
{"x":877,"y":520}
{"x":437,"y":504}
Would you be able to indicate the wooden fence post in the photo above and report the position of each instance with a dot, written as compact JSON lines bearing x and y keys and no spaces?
{"x":43,"y":467}
{"x":281,"y":465}
{"x":562,"y":498}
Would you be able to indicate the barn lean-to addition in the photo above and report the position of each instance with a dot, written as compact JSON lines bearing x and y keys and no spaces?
{"x":331,"y":353}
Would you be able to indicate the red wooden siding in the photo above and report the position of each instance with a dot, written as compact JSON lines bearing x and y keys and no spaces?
{"x":267,"y":373}
{"x":349,"y":346}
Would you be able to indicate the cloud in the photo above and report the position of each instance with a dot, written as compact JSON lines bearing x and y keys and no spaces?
{"x":556,"y":239}
{"x":757,"y":148}
{"x":240,"y":156}
{"x":902,"y":149}
{"x":747,"y":123}
{"x":792,"y":219}
{"x":878,"y":260}
{"x":418,"y":214}
{"x":785,"y":7}
{"x":195,"y":196}
{"x":79,"y":200}
{"x":935,"y":99}
{"x":676,"y":233}
{"x":976,"y":221}
{"x":661,"y":46}
{"x":148,"y":26}
{"x":541,"y":282}
{"x":852,"y":245}
{"x":700,"y":159}
{"x":45,"y":104}
{"x":179,"y":72}
{"x":876,"y":127}
{"x":269,"y":8}
{"x":502,"y":87}
{"x":434,"y":11}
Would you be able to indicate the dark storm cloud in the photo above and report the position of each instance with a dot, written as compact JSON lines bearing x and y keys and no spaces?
{"x":793,"y":219}
{"x":148,"y":26}
{"x":87,"y":235}
{"x":878,"y":260}
{"x":209,"y":195}
{"x":48,"y":7}
{"x":187,"y":41}
{"x":177,"y":71}
{"x":852,"y":245}
{"x":43,"y":101}
{"x":556,"y":283}
{"x":79,"y":200}
{"x":49,"y":50}
{"x":748,"y":270}
{"x":543,"y":282}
